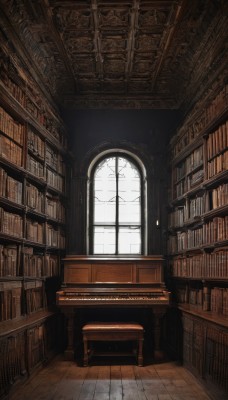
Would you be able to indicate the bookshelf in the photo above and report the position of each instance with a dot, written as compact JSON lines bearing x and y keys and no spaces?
{"x":198,"y":236}
{"x":33,"y":148}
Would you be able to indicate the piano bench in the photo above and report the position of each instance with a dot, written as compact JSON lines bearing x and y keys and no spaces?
{"x":113,"y":331}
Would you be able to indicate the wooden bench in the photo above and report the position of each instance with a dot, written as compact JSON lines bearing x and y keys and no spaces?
{"x":113,"y":331}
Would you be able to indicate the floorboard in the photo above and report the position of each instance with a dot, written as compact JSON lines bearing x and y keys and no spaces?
{"x":65,"y":380}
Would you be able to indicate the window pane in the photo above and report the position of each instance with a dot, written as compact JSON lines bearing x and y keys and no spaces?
{"x":104,"y":240}
{"x":129,"y":193}
{"x":129,"y":240}
{"x":105,"y":192}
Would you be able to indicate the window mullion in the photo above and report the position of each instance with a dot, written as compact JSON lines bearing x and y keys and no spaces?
{"x":117,"y":205}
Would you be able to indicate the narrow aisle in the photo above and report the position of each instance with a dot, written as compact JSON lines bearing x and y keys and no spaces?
{"x":64,"y":380}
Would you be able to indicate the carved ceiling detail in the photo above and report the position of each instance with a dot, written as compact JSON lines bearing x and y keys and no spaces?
{"x":121,"y":54}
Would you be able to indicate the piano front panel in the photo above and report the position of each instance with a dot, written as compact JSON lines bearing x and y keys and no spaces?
{"x":113,"y":273}
{"x":77,"y":273}
{"x":77,"y":270}
{"x":148,"y":273}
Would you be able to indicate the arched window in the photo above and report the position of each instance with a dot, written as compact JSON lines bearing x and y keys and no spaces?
{"x":116,"y":206}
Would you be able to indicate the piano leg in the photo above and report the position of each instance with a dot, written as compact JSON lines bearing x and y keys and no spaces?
{"x":69,"y":352}
{"x":158,"y":353}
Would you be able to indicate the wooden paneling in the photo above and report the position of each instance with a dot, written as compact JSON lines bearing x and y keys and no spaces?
{"x":112,"y":272}
{"x":80,"y":273}
{"x":125,"y":270}
{"x":149,"y":273}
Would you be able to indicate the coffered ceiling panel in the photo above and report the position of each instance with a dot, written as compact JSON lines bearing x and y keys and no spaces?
{"x":120,"y":54}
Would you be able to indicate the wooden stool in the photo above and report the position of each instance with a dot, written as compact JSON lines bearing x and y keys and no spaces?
{"x":112,"y":331}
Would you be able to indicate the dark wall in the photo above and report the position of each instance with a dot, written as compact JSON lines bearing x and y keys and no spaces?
{"x":150,"y":128}
{"x":144,"y":132}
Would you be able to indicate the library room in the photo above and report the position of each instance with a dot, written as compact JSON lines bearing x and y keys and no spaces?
{"x":113,"y":200}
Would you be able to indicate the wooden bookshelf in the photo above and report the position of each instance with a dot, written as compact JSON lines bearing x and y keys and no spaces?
{"x":33,"y":153}
{"x":198,"y":236}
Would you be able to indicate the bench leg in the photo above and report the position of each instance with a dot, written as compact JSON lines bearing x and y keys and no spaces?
{"x":86,"y":358}
{"x":140,"y":354}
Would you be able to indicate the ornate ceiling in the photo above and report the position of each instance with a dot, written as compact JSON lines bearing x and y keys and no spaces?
{"x":121,"y":54}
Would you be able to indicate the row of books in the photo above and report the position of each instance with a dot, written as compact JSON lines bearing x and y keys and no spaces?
{"x":189,"y":132}
{"x":35,"y":231}
{"x":188,"y":182}
{"x":10,"y":188}
{"x":198,"y":121}
{"x":14,"y":89}
{"x":39,"y":265}
{"x":217,"y":165}
{"x":52,"y":178}
{"x":35,"y":297}
{"x":219,"y":301}
{"x":195,"y":207}
{"x":10,"y":300}
{"x":211,"y":232}
{"x":194,"y":179}
{"x":11,"y":127}
{"x":35,"y":143}
{"x":9,"y":260}
{"x":14,"y":153}
{"x":190,"y":239}
{"x":16,"y":261}
{"x":55,"y":209}
{"x":215,"y":230}
{"x":217,"y":105}
{"x":11,"y":224}
{"x":10,"y":151}
{"x":34,"y":198}
{"x":194,"y":160}
{"x":202,"y":266}
{"x":35,"y":167}
{"x":55,"y":160}
{"x":178,"y":216}
{"x":55,"y":237}
{"x":206,"y":299}
{"x":27,"y":93}
{"x":217,"y":141}
{"x":219,"y":196}
{"x":17,"y":299}
{"x":55,"y":180}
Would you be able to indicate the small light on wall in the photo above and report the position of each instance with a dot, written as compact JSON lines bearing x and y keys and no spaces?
{"x":157,"y":222}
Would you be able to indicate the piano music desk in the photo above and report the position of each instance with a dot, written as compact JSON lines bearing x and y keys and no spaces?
{"x":112,"y":331}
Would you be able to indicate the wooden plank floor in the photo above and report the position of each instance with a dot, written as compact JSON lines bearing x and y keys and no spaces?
{"x":64,"y":380}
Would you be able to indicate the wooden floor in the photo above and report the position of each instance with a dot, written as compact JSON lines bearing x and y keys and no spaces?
{"x":64,"y":380}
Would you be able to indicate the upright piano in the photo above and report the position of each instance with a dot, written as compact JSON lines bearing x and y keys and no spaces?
{"x":92,"y":282}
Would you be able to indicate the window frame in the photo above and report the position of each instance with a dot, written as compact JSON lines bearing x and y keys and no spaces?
{"x":90,"y":204}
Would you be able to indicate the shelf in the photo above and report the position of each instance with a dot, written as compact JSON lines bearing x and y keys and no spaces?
{"x":205,"y":315}
{"x":23,"y":115}
{"x":13,"y":326}
{"x":201,"y":279}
